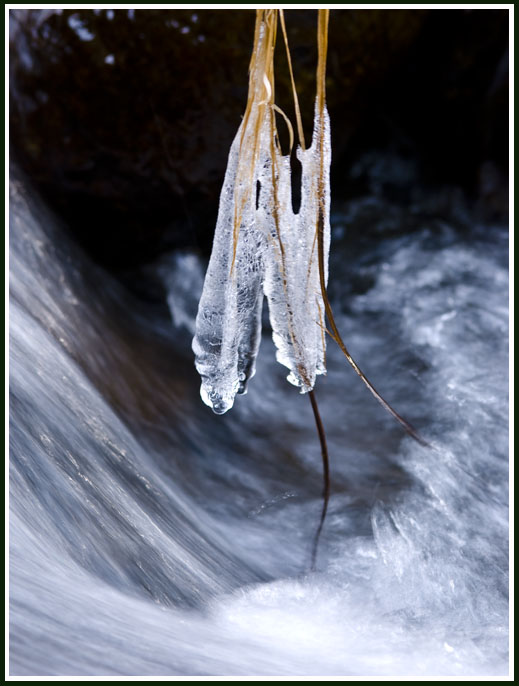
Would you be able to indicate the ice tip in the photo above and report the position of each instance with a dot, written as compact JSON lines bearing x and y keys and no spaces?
{"x":242,"y":387}
{"x":215,"y":401}
{"x":219,"y":407}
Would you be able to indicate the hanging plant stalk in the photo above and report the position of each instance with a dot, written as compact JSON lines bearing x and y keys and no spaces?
{"x":263,"y":248}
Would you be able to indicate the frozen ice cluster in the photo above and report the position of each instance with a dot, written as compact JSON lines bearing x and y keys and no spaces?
{"x":262,"y":247}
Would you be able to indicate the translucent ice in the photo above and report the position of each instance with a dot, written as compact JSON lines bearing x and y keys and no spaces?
{"x":261,"y":247}
{"x":228,"y":323}
{"x":292,"y":283}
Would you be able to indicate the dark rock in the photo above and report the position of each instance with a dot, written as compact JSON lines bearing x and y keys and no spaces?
{"x":123,"y":118}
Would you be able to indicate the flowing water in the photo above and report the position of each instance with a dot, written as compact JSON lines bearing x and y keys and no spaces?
{"x":149,"y":536}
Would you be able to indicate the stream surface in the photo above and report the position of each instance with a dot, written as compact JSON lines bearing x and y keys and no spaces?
{"x":149,"y":536}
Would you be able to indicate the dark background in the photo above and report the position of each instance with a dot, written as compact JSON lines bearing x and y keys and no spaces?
{"x":123,"y":119}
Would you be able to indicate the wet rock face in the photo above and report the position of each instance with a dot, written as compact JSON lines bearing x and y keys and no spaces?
{"x":124,"y":118}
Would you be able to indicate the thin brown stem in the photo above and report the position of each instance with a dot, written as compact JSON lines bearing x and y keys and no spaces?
{"x":338,"y":339}
{"x":294,"y":90}
{"x":326,"y":475}
{"x":322,"y":41}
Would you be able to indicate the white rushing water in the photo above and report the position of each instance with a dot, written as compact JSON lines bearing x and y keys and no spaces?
{"x":150,"y":537}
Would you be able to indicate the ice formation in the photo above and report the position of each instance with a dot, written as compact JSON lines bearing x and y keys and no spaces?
{"x":274,"y":252}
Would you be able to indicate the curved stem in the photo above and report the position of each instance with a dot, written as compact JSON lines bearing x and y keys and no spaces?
{"x":338,"y":339}
{"x":322,"y":41}
{"x":326,"y":475}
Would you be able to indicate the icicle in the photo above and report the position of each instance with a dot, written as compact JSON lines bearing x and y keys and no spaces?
{"x":228,"y":324}
{"x":276,"y":252}
{"x":292,"y":283}
{"x":267,"y":249}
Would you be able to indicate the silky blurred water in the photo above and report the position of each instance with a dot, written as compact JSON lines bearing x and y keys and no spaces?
{"x":151,"y":537}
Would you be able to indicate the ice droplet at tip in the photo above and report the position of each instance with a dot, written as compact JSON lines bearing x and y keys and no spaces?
{"x":213,"y":400}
